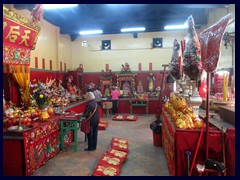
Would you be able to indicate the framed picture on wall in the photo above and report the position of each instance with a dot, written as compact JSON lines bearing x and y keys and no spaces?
{"x":157,"y":42}
{"x":106,"y":44}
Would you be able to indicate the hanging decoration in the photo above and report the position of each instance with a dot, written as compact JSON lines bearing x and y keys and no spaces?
{"x":175,"y":64}
{"x":37,"y":13}
{"x":16,"y":55}
{"x":192,"y":65}
{"x":20,"y":36}
{"x":19,"y":31}
{"x":210,"y":40}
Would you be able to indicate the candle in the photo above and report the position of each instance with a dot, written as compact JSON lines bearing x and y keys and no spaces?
{"x":182,"y":46}
{"x":107,"y":67}
{"x":180,"y":65}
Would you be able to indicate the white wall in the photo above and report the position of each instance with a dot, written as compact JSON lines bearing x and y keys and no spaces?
{"x":124,"y":48}
{"x":53,"y":46}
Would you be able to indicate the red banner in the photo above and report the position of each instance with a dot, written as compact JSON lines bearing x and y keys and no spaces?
{"x":16,"y":34}
{"x":18,"y":56}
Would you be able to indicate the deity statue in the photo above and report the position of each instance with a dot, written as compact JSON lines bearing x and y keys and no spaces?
{"x":126,"y":67}
{"x":80,"y":68}
{"x":151,"y":81}
{"x":69,"y":85}
{"x":107,"y":91}
{"x":72,"y":89}
{"x":140,"y":87}
{"x":126,"y":88}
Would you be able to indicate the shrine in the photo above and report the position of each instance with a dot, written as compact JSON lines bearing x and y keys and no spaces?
{"x":126,"y":81}
{"x":118,"y":101}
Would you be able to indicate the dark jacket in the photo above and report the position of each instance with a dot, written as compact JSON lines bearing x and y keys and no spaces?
{"x":94,"y":120}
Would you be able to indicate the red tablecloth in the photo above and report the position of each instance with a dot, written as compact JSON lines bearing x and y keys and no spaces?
{"x":176,"y":142}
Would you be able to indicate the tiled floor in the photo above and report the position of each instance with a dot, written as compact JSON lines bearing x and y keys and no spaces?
{"x":144,"y":158}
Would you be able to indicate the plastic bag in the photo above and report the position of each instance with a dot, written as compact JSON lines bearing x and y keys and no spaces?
{"x":213,"y":164}
{"x":210,"y":40}
{"x":156,"y":126}
{"x":174,"y":66}
{"x":192,"y":65}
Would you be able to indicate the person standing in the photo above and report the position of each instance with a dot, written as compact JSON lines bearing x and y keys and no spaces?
{"x":115,"y":99}
{"x":98,"y":95}
{"x":92,"y":113}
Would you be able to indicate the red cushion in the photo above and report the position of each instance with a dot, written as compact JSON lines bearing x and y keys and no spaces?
{"x":120,"y":146}
{"x":103,"y":122}
{"x":131,"y":118}
{"x":110,"y":160}
{"x":105,"y":170}
{"x":119,"y":140}
{"x":119,"y":117}
{"x":102,"y":126}
{"x":117,"y":153}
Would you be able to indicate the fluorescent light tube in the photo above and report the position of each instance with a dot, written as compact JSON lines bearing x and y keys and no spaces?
{"x":183,"y":26}
{"x":133,"y":29}
{"x":91,"y":32}
{"x":58,"y":6}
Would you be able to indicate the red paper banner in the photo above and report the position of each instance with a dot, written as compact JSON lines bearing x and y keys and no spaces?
{"x":65,"y":67}
{"x":36,"y":62}
{"x":43,"y":63}
{"x":107,"y":67}
{"x":140,"y":66}
{"x":60,"y":65}
{"x":50,"y":64}
{"x":150,"y":66}
{"x":16,"y":34}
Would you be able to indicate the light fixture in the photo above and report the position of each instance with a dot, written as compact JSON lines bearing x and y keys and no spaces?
{"x":91,"y":32}
{"x":172,"y":27}
{"x":58,"y":6}
{"x":133,"y":29}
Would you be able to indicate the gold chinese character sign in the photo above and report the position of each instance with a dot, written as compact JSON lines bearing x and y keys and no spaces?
{"x":20,"y":36}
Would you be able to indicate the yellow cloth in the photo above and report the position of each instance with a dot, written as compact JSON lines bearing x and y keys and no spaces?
{"x":23,"y":79}
{"x":225,"y":87}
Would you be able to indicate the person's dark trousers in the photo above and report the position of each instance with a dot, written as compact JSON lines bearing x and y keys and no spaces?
{"x":115,"y":106}
{"x":99,"y":104}
{"x":92,"y":137}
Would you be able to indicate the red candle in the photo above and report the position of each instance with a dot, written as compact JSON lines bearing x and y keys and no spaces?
{"x":182,"y":46}
{"x":180,"y":65}
{"x":150,"y":66}
{"x":107,"y":67}
{"x":139,"y":66}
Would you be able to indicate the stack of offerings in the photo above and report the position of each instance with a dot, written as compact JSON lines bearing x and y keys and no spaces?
{"x":121,"y":117}
{"x":103,"y":124}
{"x":111,"y":161}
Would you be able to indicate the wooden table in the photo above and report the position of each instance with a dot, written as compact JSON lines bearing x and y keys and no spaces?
{"x":68,"y":123}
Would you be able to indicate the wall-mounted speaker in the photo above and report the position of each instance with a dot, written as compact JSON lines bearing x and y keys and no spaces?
{"x":106,"y":44}
{"x":157,"y":43}
{"x":135,"y":35}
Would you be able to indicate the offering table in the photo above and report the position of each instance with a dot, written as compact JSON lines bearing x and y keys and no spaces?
{"x":67,"y":124}
{"x":176,"y":142}
{"x":138,"y":103}
{"x":25,"y":151}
